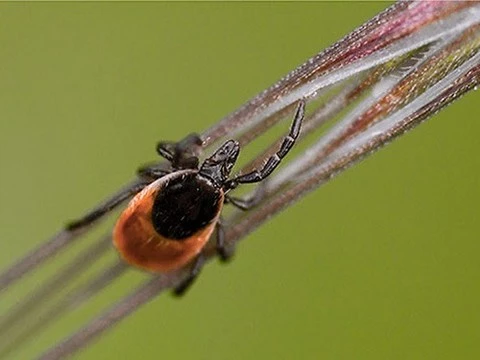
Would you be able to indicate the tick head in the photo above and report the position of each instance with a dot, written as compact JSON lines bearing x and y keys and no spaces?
{"x":218,"y":166}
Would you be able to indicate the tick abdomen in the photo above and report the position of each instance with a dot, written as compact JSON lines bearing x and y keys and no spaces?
{"x":185,"y":205}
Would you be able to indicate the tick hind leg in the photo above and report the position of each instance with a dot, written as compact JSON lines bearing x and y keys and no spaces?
{"x":192,"y":276}
{"x":182,"y":154}
{"x":106,"y":207}
{"x":224,"y":253}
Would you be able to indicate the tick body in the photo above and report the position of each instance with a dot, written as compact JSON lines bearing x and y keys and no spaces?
{"x":175,"y":211}
{"x":169,"y":222}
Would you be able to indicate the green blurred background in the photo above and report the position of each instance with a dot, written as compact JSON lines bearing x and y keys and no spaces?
{"x":381,"y":263}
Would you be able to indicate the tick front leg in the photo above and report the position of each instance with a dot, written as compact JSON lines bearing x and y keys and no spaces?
{"x":192,"y":276}
{"x":273,"y":161}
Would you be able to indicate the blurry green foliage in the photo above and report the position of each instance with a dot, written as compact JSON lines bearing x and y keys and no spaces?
{"x":381,"y":263}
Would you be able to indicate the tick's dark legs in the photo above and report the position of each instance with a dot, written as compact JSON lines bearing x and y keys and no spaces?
{"x":152,"y":172}
{"x":274,"y":160}
{"x":222,"y":251}
{"x":112,"y":203}
{"x":195,"y":270}
{"x":243,"y":204}
{"x":166,"y":149}
{"x":182,"y":154}
{"x":221,"y":248}
{"x":246,"y":204}
{"x":146,"y":174}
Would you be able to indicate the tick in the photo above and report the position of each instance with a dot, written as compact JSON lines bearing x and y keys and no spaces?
{"x":176,"y":210}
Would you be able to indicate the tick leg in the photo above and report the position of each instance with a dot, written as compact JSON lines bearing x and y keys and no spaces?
{"x":247,"y":204}
{"x":152,"y":172}
{"x":172,"y":150}
{"x":166,"y":149}
{"x":271,"y":164}
{"x":223,"y":253}
{"x":182,"y":154}
{"x":190,"y":144}
{"x":194,"y":271}
{"x":106,"y":207}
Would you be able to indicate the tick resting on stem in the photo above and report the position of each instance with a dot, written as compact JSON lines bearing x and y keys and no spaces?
{"x":175,"y":211}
